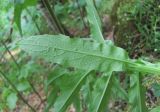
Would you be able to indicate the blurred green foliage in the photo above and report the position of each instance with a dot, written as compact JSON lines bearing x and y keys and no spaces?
{"x":137,"y":29}
{"x":140,"y":21}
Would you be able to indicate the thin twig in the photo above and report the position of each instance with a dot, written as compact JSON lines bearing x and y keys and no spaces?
{"x":19,"y":94}
{"x":9,"y":39}
{"x":18,"y":66}
{"x":54,"y":18}
{"x":34,"y":89}
{"x":39,"y":96}
{"x":2,"y":56}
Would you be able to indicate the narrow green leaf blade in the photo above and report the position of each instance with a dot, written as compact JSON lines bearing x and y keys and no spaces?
{"x":17,"y":16}
{"x":94,"y":21}
{"x":69,"y":88}
{"x":101,"y":94}
{"x":54,"y":75}
{"x":58,"y":80}
{"x":57,"y":72}
{"x":136,"y":94}
{"x":78,"y":53}
{"x":51,"y":97}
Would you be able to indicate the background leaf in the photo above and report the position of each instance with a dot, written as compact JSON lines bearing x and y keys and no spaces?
{"x":19,"y":6}
{"x":11,"y":100}
{"x":51,"y":88}
{"x":101,"y":94}
{"x":69,"y":88}
{"x":136,"y":94}
{"x":118,"y":90}
{"x":94,"y":21}
{"x":156,"y":89}
{"x":156,"y":109}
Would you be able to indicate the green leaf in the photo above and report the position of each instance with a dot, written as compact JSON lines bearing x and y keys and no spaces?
{"x":118,"y":90}
{"x":156,"y":109}
{"x":11,"y":100}
{"x":86,"y":90}
{"x":78,"y":53}
{"x":5,"y":93}
{"x":55,"y":80}
{"x":22,"y":86}
{"x":101,"y":94}
{"x":56,"y":74}
{"x":84,"y":54}
{"x":156,"y":89}
{"x":136,"y":94}
{"x":51,"y":97}
{"x":145,"y":67}
{"x":77,"y":103}
{"x":94,"y":21}
{"x":69,"y":88}
{"x":19,"y":6}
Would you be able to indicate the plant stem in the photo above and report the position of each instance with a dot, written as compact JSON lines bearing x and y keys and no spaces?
{"x":2,"y":56}
{"x":10,"y":54}
{"x":144,"y":68}
{"x":54,"y":18}
{"x":34,"y":89}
